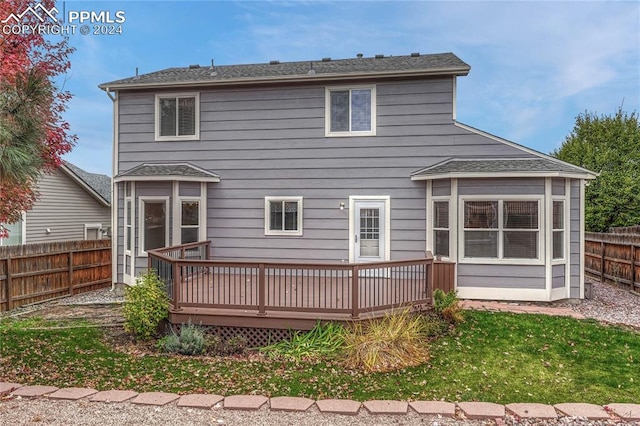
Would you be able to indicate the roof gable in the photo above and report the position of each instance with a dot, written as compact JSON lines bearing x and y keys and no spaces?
{"x":98,"y":185}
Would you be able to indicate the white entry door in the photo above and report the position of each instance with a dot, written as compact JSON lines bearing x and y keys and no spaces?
{"x":369,"y":225}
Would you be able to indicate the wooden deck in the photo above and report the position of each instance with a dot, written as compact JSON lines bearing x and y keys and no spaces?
{"x":289,"y":295}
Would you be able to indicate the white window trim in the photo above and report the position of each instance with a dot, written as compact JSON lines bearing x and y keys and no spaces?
{"x":563,"y":259}
{"x":128,"y":223}
{"x":180,"y":226}
{"x":327,"y":111}
{"x":141,"y":200}
{"x":267,"y":216}
{"x":23,"y":231}
{"x":88,"y":226}
{"x":540,"y":260}
{"x":193,"y":137}
{"x":434,"y":200}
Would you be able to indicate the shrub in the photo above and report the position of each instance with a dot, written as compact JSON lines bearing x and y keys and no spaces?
{"x":322,"y":340}
{"x":397,"y":340}
{"x":236,"y":345}
{"x":146,"y":304}
{"x":447,"y":305}
{"x":190,"y":341}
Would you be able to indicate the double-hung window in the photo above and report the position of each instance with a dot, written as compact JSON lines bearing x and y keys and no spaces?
{"x":558,"y":229}
{"x":189,"y":221}
{"x":441,"y":228}
{"x":351,"y":111}
{"x":178,"y":116}
{"x":502,"y":229}
{"x":283,"y":216}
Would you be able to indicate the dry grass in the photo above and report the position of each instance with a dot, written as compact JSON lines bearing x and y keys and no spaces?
{"x":397,"y":340}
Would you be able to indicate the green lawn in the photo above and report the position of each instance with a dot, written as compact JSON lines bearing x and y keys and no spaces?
{"x":493,"y":357}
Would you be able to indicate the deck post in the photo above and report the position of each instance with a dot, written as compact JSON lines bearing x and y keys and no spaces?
{"x":355,"y":292}
{"x":176,"y":286}
{"x":261,"y":291}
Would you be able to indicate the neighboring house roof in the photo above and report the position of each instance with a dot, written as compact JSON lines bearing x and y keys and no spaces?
{"x":167,"y":171}
{"x":98,"y":185}
{"x":275,"y":71}
{"x":500,"y":167}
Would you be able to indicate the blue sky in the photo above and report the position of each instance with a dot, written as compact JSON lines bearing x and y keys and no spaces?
{"x":534,"y":65}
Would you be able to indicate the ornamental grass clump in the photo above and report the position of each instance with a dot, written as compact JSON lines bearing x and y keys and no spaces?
{"x":322,"y":341}
{"x":447,"y":305}
{"x":398,"y":340}
{"x":146,"y":304}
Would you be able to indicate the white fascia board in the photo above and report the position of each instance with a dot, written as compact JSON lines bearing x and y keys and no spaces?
{"x":477,"y":175}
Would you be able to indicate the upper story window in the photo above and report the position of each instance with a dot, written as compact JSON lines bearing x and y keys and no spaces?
{"x":178,"y":116}
{"x":350,"y":111}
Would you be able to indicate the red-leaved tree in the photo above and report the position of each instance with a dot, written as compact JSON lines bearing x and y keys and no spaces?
{"x":33,"y":133}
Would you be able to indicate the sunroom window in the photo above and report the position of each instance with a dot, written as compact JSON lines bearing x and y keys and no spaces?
{"x":441,"y":228}
{"x":558,"y":229}
{"x":501,"y":229}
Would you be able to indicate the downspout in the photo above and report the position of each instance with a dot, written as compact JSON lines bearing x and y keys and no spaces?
{"x":114,"y":191}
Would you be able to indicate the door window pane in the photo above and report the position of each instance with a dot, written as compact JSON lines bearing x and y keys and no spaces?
{"x":441,"y":243}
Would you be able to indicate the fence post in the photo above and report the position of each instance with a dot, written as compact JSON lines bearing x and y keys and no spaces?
{"x":602,"y":249}
{"x":262,"y":310}
{"x":355,"y":291}
{"x":9,"y":301}
{"x":70,"y":272}
{"x":633,"y":267}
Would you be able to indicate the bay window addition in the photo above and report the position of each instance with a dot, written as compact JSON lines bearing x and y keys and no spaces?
{"x":177,"y":116}
{"x":189,"y":221}
{"x":350,"y":111}
{"x":558,"y":230}
{"x":501,"y":229}
{"x":441,"y":228}
{"x":283,"y":216}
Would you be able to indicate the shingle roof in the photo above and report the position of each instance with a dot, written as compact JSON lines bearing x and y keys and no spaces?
{"x":440,"y":63}
{"x":500,"y":167}
{"x":166,"y":171}
{"x":99,"y":183}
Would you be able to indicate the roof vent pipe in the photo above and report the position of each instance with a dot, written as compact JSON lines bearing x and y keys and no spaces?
{"x":311,"y":70}
{"x":137,"y":76}
{"x":213,"y":69}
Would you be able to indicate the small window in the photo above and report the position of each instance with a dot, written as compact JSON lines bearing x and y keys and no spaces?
{"x":351,"y":111}
{"x":128,"y":217}
{"x":283,"y":216}
{"x":441,"y":228}
{"x":177,"y":116}
{"x":558,"y":229}
{"x":15,"y":233}
{"x":189,"y":222}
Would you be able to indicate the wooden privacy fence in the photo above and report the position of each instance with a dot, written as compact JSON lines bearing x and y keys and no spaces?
{"x":614,"y":258}
{"x":39,"y":272}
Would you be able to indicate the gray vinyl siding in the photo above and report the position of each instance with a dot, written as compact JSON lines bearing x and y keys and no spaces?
{"x":441,"y":188}
{"x":501,"y":276}
{"x":557,"y":186}
{"x":64,"y":207}
{"x":500,"y":187}
{"x":558,"y":276}
{"x":575,"y":256}
{"x":119,"y":233}
{"x":271,"y":142}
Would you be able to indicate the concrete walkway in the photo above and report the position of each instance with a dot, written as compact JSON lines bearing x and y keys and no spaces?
{"x":519,"y":308}
{"x":460,"y":410}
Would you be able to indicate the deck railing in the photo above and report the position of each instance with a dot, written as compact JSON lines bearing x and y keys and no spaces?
{"x":195,"y":280}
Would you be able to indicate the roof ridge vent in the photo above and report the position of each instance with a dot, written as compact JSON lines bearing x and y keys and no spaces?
{"x":326,"y":59}
{"x":276,"y":62}
{"x":359,"y":55}
{"x":194,"y":66}
{"x":379,"y":56}
{"x":415,"y":54}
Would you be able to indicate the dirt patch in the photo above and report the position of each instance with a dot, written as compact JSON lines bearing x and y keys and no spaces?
{"x":99,"y":314}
